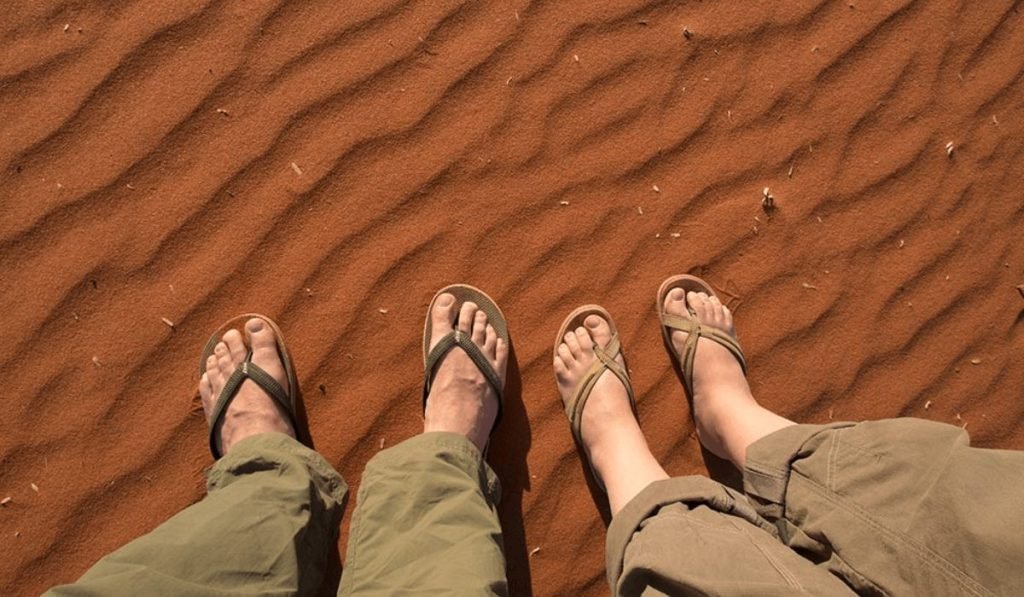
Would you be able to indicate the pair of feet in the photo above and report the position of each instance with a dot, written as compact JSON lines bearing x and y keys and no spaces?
{"x":461,"y":401}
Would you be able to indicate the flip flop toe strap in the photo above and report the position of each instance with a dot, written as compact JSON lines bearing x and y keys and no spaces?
{"x":247,"y":370}
{"x":694,"y":332}
{"x":458,"y":338}
{"x":605,"y":362}
{"x":574,"y":407}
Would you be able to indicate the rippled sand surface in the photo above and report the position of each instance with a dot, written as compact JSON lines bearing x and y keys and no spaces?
{"x":333,"y":164}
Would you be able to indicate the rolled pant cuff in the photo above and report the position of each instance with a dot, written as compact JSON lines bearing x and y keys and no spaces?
{"x":769,"y":461}
{"x":268,"y":451}
{"x":453,"y":448}
{"x":692,"y":491}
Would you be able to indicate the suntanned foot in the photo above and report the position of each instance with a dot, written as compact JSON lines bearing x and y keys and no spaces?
{"x":719,"y":386}
{"x":252,"y":411}
{"x":610,"y":433}
{"x":461,"y":400}
{"x":607,"y":412}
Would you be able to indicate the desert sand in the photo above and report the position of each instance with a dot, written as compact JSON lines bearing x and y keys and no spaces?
{"x":332,"y":164}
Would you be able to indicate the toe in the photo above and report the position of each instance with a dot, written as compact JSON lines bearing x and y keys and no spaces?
{"x":501,"y":357}
{"x":479,"y":333}
{"x":583,"y":338}
{"x":675,"y":302}
{"x":224,"y":362}
{"x":490,"y":341}
{"x":261,"y":337}
{"x":213,"y":374}
{"x":561,"y":371}
{"x":236,"y":346}
{"x":566,"y":355}
{"x":205,"y":389}
{"x":466,"y":315}
{"x":442,"y":317}
{"x":599,"y":330}
{"x":569,"y":339}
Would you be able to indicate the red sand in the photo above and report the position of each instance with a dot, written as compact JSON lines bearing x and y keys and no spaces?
{"x":146,"y":172}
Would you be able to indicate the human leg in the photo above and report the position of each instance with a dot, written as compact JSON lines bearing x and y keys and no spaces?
{"x":897,"y":507}
{"x":270,"y":515}
{"x":670,"y":536}
{"x":426,"y":518}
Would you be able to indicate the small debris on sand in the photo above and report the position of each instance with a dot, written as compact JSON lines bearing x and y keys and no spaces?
{"x":382,"y":443}
{"x":809,"y":286}
{"x":675,"y":234}
{"x":901,"y":243}
{"x":534,"y":551}
{"x":655,"y":188}
{"x":34,"y":487}
{"x":949,"y":150}
{"x":223,"y":112}
{"x":790,"y":173}
{"x":96,"y":361}
{"x":296,"y":168}
{"x":323,"y":389}
{"x":975,"y":361}
{"x":66,"y":27}
{"x":5,"y":501}
{"x":563,"y":203}
{"x":767,"y":200}
{"x":382,"y":311}
{"x":576,"y":57}
{"x":640,"y":211}
{"x":927,"y":404}
{"x":1020,"y":289}
{"x":167,"y":322}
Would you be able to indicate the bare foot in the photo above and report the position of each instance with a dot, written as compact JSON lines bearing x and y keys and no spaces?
{"x":460,"y":400}
{"x":252,"y":411}
{"x":727,"y":417}
{"x":611,"y":435}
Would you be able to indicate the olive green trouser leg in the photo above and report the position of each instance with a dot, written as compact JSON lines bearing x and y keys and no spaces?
{"x":426,"y":522}
{"x":693,"y":536}
{"x":265,"y":527}
{"x":901,"y":506}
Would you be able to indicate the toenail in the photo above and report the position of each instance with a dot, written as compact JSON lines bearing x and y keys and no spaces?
{"x":677,"y":294}
{"x":593,"y":321}
{"x":255,"y":324}
{"x":445,"y":299}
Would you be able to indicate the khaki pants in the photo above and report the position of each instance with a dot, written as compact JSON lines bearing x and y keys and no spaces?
{"x":895,"y":507}
{"x":426,"y":522}
{"x":903,"y":507}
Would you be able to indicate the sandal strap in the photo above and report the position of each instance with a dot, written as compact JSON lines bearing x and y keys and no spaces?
{"x":247,"y":370}
{"x":605,"y":362}
{"x":694,"y":332}
{"x":453,"y":339}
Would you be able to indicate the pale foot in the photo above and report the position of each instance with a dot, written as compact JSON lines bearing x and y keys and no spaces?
{"x":252,"y":410}
{"x":461,"y":400}
{"x":611,"y":435}
{"x":727,"y":417}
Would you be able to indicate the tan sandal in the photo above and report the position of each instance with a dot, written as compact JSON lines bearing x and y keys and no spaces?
{"x":432,"y":358}
{"x":606,"y":356}
{"x":691,"y":325}
{"x":249,"y":370}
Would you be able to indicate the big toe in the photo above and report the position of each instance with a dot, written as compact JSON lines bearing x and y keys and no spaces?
{"x":442,"y":317}
{"x":675,"y":302}
{"x":264,"y":348}
{"x":599,"y":330}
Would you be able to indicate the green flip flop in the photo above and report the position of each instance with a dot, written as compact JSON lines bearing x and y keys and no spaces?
{"x":432,"y":358}
{"x":249,"y":370}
